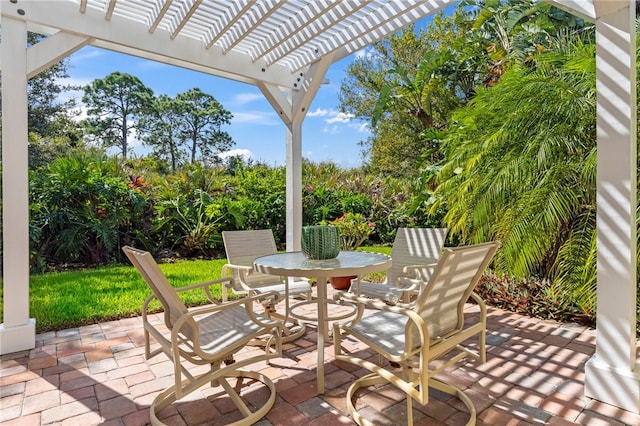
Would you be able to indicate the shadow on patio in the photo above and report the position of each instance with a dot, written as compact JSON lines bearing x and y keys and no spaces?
{"x":97,"y":374}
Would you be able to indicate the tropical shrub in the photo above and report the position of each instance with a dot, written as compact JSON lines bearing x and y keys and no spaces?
{"x":529,"y":296}
{"x":264,"y":189}
{"x":353,"y":229}
{"x":81,"y":209}
{"x":319,"y":203}
{"x":189,"y":221}
{"x":520,"y":168}
{"x":244,"y":213}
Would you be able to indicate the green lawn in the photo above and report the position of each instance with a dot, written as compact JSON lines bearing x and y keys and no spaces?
{"x":67,"y":299}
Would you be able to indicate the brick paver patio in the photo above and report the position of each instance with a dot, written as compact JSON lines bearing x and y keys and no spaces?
{"x":97,"y":374}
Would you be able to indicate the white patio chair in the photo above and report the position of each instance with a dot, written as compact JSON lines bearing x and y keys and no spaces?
{"x":210,"y":335}
{"x":411,"y":338}
{"x":414,"y":252}
{"x":242,"y":248}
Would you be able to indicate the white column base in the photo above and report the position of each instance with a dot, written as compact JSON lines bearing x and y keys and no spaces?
{"x":615,"y":386}
{"x":18,"y":338}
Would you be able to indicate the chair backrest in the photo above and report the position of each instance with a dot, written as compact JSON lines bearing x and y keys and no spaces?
{"x":441,"y":301}
{"x":415,"y":246}
{"x":243,"y":247}
{"x":173,"y":306}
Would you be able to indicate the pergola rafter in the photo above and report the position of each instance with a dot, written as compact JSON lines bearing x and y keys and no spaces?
{"x":285,"y":47}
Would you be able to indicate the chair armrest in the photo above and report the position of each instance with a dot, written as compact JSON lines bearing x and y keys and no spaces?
{"x":246,"y":301}
{"x":415,"y":269}
{"x":229,"y":267}
{"x":483,"y":307}
{"x":238,"y":285}
{"x":145,"y":305}
{"x":365,"y":302}
{"x":205,"y":286}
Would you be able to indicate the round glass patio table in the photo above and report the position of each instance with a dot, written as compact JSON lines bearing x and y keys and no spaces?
{"x":296,"y":264}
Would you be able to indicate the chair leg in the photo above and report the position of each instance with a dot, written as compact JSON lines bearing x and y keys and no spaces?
{"x":482,"y":346}
{"x":292,"y":330}
{"x":374,"y":379}
{"x":168,"y":396}
{"x":147,"y":345}
{"x":457,"y":392}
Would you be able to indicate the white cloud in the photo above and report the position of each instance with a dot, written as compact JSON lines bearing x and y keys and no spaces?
{"x":331,"y":115}
{"x":72,"y":94}
{"x":332,"y":130}
{"x":74,"y":81}
{"x":319,"y":112}
{"x":244,"y":153}
{"x":360,"y":127}
{"x":340,"y":117}
{"x":78,"y":114}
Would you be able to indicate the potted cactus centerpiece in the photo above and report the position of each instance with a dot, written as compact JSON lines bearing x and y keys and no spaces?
{"x":320,"y":241}
{"x":353,"y":229}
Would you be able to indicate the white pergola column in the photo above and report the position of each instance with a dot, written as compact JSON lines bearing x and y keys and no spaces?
{"x":294,"y":186}
{"x":17,"y":332}
{"x":292,"y":107}
{"x":612,"y":374}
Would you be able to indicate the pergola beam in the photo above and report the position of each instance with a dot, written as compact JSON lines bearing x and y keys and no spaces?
{"x":130,"y":37}
{"x":580,"y":8}
{"x":52,"y":50}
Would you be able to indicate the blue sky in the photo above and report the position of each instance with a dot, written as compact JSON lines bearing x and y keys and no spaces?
{"x":256,"y":129}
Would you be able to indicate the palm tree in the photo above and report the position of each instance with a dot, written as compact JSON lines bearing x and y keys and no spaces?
{"x":521,"y":165}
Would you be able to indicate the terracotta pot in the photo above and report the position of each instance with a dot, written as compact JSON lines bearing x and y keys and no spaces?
{"x":342,"y":283}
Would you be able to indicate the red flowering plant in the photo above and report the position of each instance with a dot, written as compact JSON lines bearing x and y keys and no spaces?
{"x":354,"y":229}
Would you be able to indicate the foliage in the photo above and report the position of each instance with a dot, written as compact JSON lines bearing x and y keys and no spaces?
{"x":510,"y":32}
{"x":189,"y":210}
{"x":160,"y":130}
{"x":190,"y":221}
{"x":424,"y":95}
{"x":372,"y":74}
{"x":86,"y":206}
{"x":529,"y":296}
{"x":44,"y":149}
{"x":353,"y":228}
{"x":507,"y":155}
{"x":257,"y":199}
{"x":199,"y":118}
{"x":115,"y":104}
{"x":194,"y":205}
{"x":408,"y":84}
{"x":319,"y":203}
{"x":81,"y":210}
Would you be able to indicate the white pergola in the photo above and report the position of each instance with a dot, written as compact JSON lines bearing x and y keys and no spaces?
{"x":285,"y":48}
